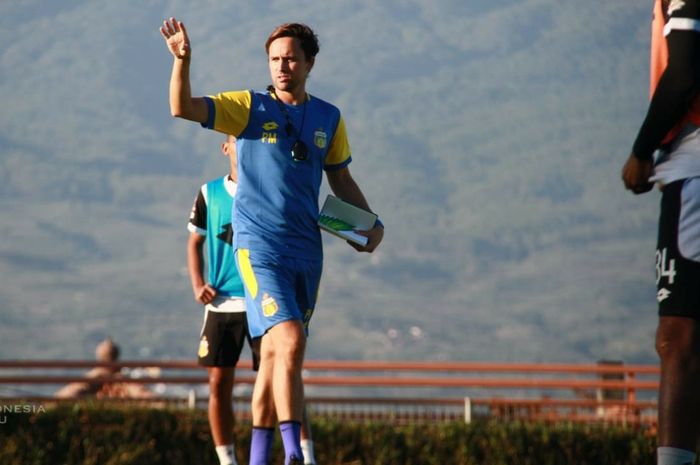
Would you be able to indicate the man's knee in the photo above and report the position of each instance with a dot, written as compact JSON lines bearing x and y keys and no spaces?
{"x":220,"y":382}
{"x":267,"y":350}
{"x":292,"y":353}
{"x":290,"y":342}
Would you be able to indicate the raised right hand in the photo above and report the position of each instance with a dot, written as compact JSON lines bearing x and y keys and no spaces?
{"x":175,"y":36}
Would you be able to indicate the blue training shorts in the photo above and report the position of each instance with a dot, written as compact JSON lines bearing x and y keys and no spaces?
{"x":277,"y":288}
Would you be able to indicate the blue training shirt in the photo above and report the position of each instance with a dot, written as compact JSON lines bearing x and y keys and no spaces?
{"x":276,"y":206}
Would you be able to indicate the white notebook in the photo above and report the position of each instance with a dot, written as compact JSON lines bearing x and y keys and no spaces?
{"x":342,"y":219}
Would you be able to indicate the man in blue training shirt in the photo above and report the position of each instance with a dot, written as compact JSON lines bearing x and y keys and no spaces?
{"x":286,"y":138}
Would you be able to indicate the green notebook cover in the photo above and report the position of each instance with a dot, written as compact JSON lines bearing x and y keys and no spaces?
{"x":342,"y":219}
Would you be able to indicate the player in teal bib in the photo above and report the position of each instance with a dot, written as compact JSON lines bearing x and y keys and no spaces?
{"x":225,"y":327}
{"x":219,"y":201}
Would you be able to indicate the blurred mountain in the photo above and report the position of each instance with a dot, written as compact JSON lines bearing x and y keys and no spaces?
{"x":489,"y":136}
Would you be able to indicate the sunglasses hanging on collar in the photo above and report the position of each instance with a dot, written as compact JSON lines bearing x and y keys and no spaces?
{"x":300,"y":152}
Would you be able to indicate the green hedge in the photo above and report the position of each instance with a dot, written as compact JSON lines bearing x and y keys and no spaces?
{"x":108,"y":434}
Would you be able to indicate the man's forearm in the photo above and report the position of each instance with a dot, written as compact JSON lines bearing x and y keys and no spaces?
{"x":353,"y":195}
{"x":195,"y":265}
{"x":180,"y":92}
{"x":667,"y":108}
{"x":674,"y":95}
{"x":345,"y":188}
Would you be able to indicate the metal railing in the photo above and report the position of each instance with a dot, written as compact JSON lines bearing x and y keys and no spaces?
{"x":396,"y":391}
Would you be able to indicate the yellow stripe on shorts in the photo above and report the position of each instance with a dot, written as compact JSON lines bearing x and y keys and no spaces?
{"x":247,"y":272}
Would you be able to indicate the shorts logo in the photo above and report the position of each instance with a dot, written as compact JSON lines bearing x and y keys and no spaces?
{"x":663,"y":294}
{"x":320,"y":138}
{"x":203,"y":347}
{"x":270,"y":126}
{"x":269,"y":305}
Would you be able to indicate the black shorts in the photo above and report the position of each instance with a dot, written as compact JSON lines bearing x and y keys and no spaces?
{"x":678,"y":250}
{"x":222,"y":340}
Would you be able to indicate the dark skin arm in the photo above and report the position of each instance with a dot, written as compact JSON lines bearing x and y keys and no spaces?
{"x":203,"y":292}
{"x":636,"y":174}
{"x":677,"y":90}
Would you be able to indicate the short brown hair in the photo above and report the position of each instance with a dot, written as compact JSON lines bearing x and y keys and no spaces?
{"x":307,"y":37}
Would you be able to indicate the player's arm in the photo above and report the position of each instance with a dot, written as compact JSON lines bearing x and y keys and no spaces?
{"x":344,"y":187}
{"x":675,"y":93}
{"x":197,"y":226}
{"x":677,"y":89}
{"x":203,"y":292}
{"x":182,"y":104}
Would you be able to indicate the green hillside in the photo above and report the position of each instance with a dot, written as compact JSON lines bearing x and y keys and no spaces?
{"x":488,"y":135}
